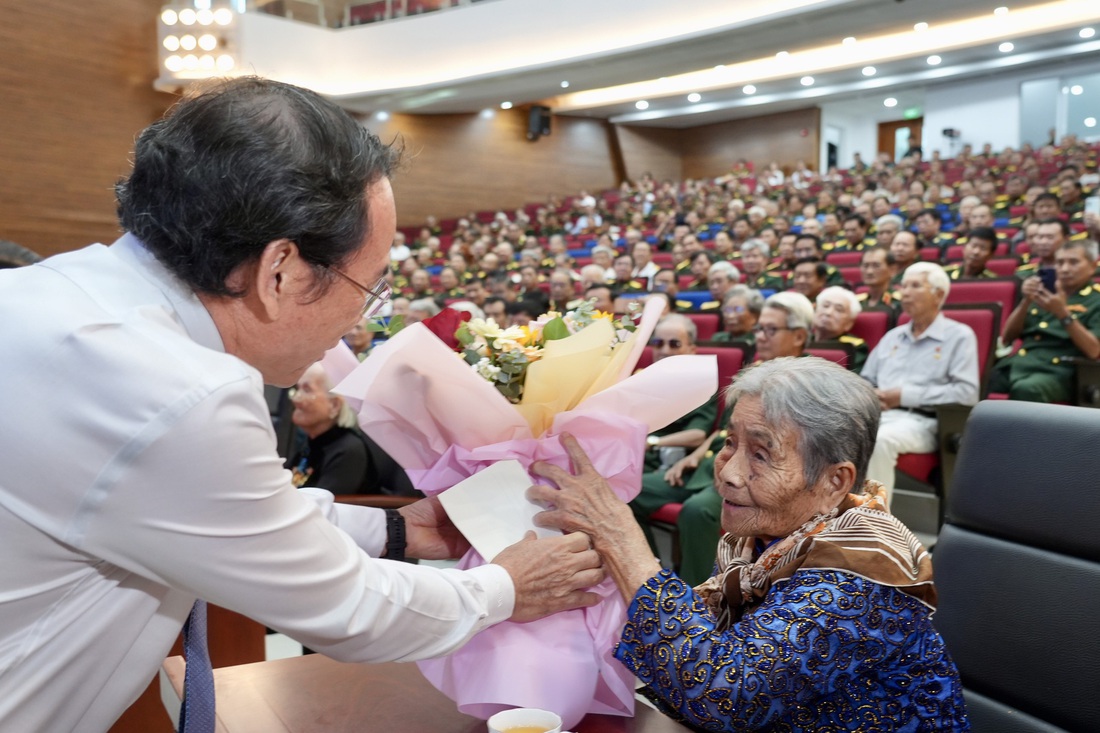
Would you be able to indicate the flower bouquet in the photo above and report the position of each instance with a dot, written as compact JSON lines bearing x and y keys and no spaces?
{"x":509,"y":396}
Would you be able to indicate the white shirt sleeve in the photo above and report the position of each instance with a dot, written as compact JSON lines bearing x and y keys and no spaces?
{"x":199,"y":501}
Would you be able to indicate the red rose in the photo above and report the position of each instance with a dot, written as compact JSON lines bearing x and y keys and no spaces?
{"x":446,"y":324}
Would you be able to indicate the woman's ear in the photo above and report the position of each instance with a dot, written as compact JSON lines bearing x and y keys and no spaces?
{"x":839,"y":481}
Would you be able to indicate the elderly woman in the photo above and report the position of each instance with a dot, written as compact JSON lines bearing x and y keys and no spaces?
{"x":337,"y":456}
{"x":819,"y":617}
{"x":740,"y":311}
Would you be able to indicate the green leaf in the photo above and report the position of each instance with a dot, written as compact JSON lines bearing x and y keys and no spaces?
{"x":554,"y":330}
{"x":463,"y":335}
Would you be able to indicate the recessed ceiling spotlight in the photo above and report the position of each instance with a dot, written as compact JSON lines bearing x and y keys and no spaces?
{"x":749,"y":89}
{"x":719,"y":67}
{"x":934,"y":60}
{"x":1006,"y":47}
{"x":694,"y":97}
{"x":1087,"y":32}
{"x":382,"y":116}
{"x":782,"y":54}
{"x":1077,"y":90}
{"x":920,"y":27}
{"x":849,"y":40}
{"x":565,"y":85}
{"x":869,"y":71}
{"x":641,"y":104}
{"x":506,"y":105}
{"x":889,"y":102}
{"x":1000,"y":11}
{"x":807,"y":81}
{"x":486,"y":114}
{"x":1090,"y":122}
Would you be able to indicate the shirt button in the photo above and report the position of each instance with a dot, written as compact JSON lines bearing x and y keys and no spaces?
{"x":1034,"y":311}
{"x":1056,"y":360}
{"x":710,"y":454}
{"x":1043,"y":324}
{"x":1022,"y":352}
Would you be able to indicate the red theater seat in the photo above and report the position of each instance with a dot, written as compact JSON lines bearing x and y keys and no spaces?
{"x":872,"y":324}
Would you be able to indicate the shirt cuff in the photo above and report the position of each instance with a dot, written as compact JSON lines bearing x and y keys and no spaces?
{"x":500,"y":592}
{"x":911,"y":396}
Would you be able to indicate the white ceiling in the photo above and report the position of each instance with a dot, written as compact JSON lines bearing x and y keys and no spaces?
{"x":823,"y":23}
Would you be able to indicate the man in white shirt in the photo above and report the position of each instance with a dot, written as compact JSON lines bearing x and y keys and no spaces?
{"x":932,"y":360}
{"x":139,"y":462}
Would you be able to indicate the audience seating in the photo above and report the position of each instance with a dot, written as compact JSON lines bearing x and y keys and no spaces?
{"x":731,"y":359}
{"x":833,"y":351}
{"x":872,"y":324}
{"x":851,"y":275}
{"x":706,"y":324}
{"x":1004,"y":291}
{"x":984,"y":319}
{"x":843,"y":258}
{"x":1017,"y":568}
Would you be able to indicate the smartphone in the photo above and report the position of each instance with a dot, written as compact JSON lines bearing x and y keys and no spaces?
{"x":1092,"y":205}
{"x":1049,"y":276}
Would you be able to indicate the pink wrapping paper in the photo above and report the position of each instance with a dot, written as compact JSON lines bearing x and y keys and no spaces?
{"x":425,"y":406}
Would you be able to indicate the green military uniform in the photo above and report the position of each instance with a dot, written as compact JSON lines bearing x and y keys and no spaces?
{"x":701,"y":418}
{"x":724,"y":337}
{"x":889,"y":299}
{"x":832,"y":277}
{"x":1025,"y":271}
{"x":452,"y":293}
{"x":843,"y":245}
{"x":764,"y":281}
{"x":957,"y":272}
{"x":1038,"y":372}
{"x":700,"y":518}
{"x":630,"y":286}
{"x":895,"y":281}
{"x":859,"y":351}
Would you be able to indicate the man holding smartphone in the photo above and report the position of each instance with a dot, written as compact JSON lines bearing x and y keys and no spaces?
{"x":1054,"y":324}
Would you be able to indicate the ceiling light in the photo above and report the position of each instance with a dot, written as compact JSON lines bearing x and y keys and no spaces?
{"x":1087,"y":32}
{"x":889,"y":102}
{"x":719,"y":67}
{"x":382,"y":116}
{"x":565,"y":85}
{"x":1000,"y":11}
{"x":749,"y":89}
{"x":486,"y":114}
{"x":173,"y":63}
{"x":641,"y":104}
{"x":869,"y":70}
{"x":1077,"y":90}
{"x":1006,"y":47}
{"x":934,"y":60}
{"x":190,"y":62}
{"x":782,"y":54}
{"x":168,"y":17}
{"x":849,"y":40}
{"x":225,"y":62}
{"x":223,"y":16}
{"x":920,"y":27}
{"x":187,"y":16}
{"x":205,"y":16}
{"x":207,"y":42}
{"x":188,"y":42}
{"x":695,"y":97}
{"x":206,"y":62}
{"x":807,"y":81}
{"x":172,"y":43}
{"x":1090,"y":122}
{"x":506,"y":105}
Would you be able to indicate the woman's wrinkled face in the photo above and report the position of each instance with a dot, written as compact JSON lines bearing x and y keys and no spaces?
{"x":759,"y":475}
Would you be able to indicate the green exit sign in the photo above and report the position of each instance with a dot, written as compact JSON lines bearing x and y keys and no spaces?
{"x":912,"y":113}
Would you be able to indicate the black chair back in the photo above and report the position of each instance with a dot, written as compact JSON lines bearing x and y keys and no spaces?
{"x":1017,"y":567}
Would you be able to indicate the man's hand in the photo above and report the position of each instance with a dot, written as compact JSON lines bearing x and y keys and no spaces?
{"x":430,"y":533}
{"x":1031,"y":288}
{"x":1053,"y":303}
{"x":550,"y":574}
{"x":674,"y":476}
{"x":888,"y":399}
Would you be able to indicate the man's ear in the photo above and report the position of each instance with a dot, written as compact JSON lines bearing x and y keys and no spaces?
{"x":278,"y":268}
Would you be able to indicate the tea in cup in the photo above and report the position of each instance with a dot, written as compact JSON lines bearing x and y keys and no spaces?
{"x":525,"y":720}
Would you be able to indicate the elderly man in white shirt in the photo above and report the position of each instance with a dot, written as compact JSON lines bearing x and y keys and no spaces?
{"x":932,"y":360}
{"x":140,"y":470}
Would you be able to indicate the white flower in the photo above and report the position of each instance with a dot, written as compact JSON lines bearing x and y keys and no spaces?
{"x":486,"y":369}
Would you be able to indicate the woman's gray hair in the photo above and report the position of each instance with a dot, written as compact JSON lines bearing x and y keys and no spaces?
{"x":799,"y":309}
{"x":834,"y":412}
{"x":425,"y":305}
{"x":753,"y":297}
{"x":684,"y":322}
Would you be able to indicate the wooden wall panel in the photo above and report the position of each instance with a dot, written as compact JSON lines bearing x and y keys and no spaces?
{"x":651,"y":150}
{"x":76,"y":80}
{"x":786,"y":137}
{"x":459,"y":163}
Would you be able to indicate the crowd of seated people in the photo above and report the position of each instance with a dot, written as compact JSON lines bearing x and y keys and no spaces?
{"x":983,"y":215}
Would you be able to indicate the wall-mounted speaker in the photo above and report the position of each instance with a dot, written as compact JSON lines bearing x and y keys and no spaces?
{"x":538,"y":122}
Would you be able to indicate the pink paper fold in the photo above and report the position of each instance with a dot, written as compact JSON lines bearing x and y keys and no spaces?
{"x":425,"y":406}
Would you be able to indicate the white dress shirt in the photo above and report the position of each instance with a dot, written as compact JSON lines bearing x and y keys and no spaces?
{"x":139,"y":472}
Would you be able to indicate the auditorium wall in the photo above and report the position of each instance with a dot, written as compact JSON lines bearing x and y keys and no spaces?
{"x":710,"y":150}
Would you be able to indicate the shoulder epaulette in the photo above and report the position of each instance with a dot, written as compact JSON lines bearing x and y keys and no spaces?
{"x":849,"y":339}
{"x":710,"y":305}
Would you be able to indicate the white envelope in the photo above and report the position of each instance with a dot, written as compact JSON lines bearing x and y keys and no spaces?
{"x":491,"y":508}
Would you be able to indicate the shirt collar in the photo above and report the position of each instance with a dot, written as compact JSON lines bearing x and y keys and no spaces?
{"x":189,"y":310}
{"x":936,"y":330}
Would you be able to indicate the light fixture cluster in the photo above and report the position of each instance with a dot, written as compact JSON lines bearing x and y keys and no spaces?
{"x":196,"y":43}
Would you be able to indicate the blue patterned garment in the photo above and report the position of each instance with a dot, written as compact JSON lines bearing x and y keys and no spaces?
{"x":825,"y":651}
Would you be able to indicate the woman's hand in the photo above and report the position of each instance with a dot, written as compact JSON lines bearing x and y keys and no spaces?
{"x":584,"y":502}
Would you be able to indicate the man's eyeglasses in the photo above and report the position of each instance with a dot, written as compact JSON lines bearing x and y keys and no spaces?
{"x":376,"y":296}
{"x":769,"y":331}
{"x":660,"y":343}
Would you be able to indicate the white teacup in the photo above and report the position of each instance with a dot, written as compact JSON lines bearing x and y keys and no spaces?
{"x":525,"y":720}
